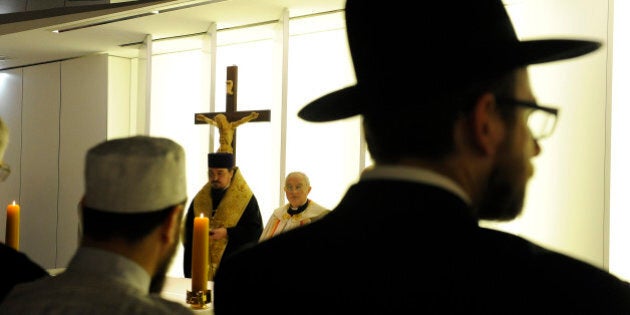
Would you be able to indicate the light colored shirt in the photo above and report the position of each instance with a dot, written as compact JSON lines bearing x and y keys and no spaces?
{"x":95,"y":282}
{"x":415,"y":174}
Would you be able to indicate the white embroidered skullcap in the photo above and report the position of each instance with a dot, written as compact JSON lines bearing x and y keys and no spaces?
{"x":134,"y":175}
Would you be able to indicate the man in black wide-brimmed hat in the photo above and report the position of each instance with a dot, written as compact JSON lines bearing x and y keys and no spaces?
{"x":460,"y":151}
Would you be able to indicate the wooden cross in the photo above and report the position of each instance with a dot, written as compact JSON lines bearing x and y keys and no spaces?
{"x":233,"y":116}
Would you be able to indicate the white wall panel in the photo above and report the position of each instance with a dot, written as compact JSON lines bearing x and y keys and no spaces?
{"x":83,"y":117}
{"x":40,"y":163}
{"x":620,"y":150}
{"x":119,"y":98}
{"x":11,"y":112}
{"x":330,"y":152}
{"x":178,"y":93}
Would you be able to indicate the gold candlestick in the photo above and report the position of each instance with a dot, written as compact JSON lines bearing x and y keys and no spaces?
{"x":198,"y":299}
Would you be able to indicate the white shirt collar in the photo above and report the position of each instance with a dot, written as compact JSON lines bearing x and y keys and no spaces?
{"x":415,"y":174}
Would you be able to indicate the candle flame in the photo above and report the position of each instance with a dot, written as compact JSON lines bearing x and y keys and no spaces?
{"x":201,"y":215}
{"x":14,"y":202}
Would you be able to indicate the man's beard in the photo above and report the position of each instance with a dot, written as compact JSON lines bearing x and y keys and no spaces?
{"x":504,"y":196}
{"x":158,"y":279}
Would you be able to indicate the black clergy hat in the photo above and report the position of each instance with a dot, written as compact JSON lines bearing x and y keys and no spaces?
{"x":221,"y":160}
{"x":441,"y":46}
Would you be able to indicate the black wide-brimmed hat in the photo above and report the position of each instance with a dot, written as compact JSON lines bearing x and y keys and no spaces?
{"x":400,"y":52}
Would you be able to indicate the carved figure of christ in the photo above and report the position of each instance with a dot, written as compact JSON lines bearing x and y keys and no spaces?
{"x":228,"y":121}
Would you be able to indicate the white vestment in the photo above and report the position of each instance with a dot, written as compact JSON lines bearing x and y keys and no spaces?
{"x":281,"y":221}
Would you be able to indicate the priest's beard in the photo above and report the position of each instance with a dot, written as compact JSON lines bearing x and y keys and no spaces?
{"x":505,"y":193}
{"x":158,"y":279}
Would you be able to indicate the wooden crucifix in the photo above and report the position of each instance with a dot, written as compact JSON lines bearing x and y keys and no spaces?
{"x":227,"y":121}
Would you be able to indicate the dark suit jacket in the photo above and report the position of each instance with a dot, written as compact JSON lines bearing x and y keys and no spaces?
{"x":16,"y":268}
{"x":393,"y":247}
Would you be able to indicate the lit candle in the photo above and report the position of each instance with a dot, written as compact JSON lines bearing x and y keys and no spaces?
{"x":200,"y":254}
{"x":13,"y":226}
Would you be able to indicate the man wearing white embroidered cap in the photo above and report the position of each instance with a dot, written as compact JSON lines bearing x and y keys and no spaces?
{"x":131,"y":213}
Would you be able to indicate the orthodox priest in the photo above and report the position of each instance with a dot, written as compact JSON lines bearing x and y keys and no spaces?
{"x":227,"y":200}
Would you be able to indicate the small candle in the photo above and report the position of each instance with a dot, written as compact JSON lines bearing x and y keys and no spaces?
{"x":13,"y":226}
{"x":199,"y":266}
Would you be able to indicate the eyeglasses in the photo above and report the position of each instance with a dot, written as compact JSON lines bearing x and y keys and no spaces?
{"x":541,"y":120}
{"x":5,"y":171}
